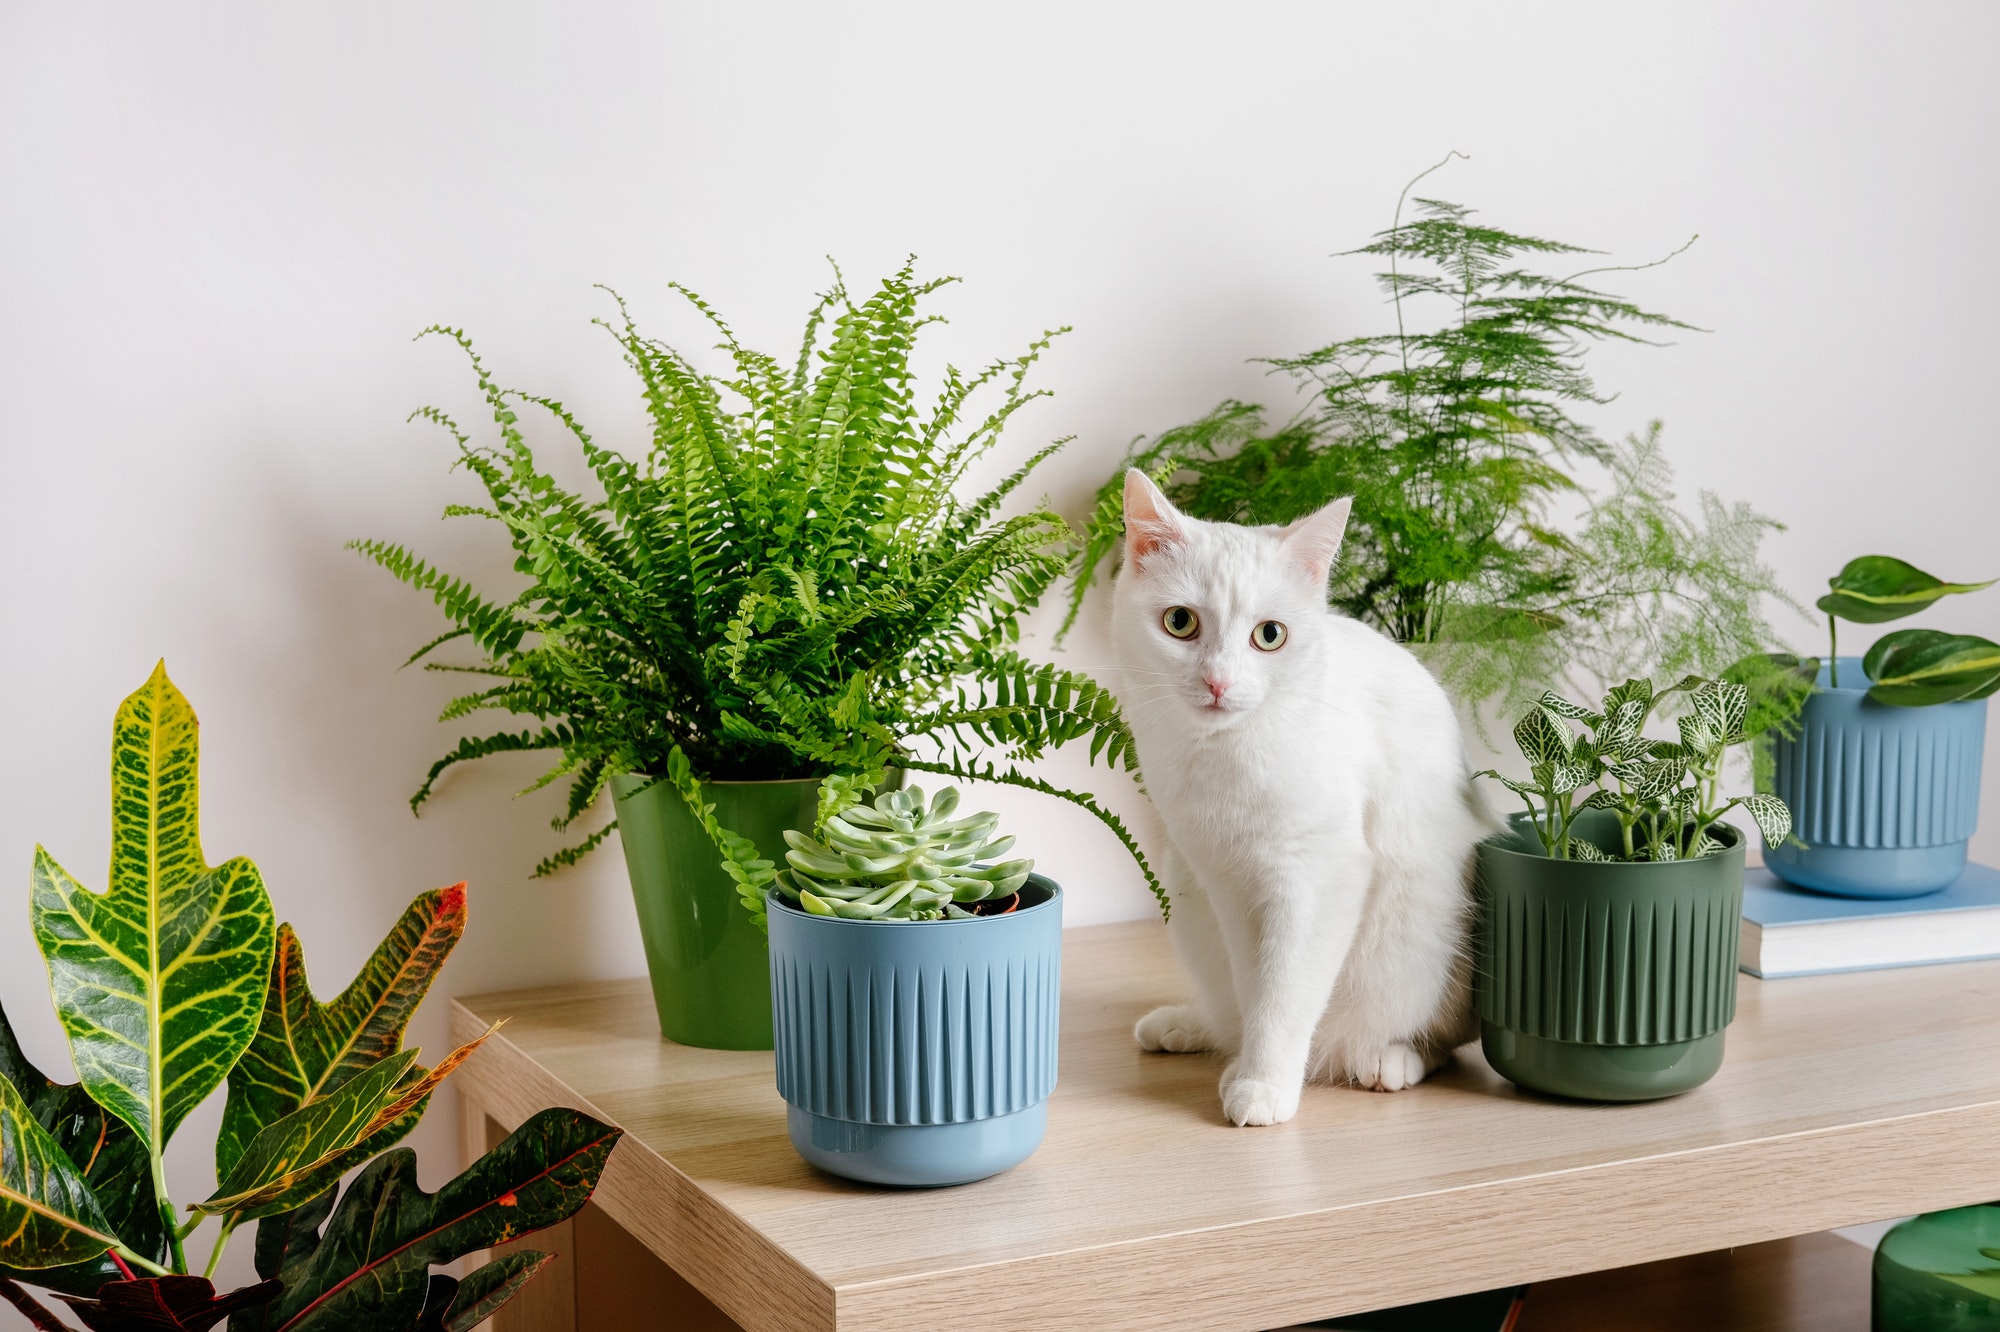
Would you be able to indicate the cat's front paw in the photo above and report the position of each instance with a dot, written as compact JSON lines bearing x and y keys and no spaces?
{"x":1392,"y":1068}
{"x":1249,"y":1102}
{"x":1175,"y":1028}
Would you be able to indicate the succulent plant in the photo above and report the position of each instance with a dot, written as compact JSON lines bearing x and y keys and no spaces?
{"x":900,"y":859}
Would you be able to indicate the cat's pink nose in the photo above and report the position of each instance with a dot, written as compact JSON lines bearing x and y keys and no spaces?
{"x":1217,"y":687}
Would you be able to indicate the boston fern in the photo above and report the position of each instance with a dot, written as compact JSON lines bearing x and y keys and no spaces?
{"x":784,"y":585}
{"x":1458,"y":435}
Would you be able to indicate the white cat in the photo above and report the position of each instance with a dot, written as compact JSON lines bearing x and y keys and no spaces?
{"x":1311,"y":775}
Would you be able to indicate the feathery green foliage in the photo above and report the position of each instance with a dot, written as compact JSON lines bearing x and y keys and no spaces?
{"x":784,"y":586}
{"x":1458,"y":436}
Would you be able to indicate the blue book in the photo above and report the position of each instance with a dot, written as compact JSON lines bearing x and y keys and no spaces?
{"x":1790,"y":932}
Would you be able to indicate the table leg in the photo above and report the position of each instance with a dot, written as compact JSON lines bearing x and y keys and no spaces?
{"x":602,"y":1280}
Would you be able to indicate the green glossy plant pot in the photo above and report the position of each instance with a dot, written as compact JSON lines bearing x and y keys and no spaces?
{"x":1940,"y":1272}
{"x":1605,"y":982}
{"x":709,"y":963}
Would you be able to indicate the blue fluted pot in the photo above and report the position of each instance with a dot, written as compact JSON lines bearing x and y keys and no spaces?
{"x":1884,"y":798}
{"x":918,"y":1053}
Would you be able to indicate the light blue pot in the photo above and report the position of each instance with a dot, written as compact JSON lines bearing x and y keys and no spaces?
{"x":1884,"y":798}
{"x":918,"y":1053}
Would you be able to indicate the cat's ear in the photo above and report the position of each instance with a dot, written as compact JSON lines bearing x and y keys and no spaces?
{"x":1151,"y":520}
{"x":1314,"y":540}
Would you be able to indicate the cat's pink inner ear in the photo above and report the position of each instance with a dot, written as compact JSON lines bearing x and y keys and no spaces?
{"x":1152,"y":523}
{"x":1314,"y":540}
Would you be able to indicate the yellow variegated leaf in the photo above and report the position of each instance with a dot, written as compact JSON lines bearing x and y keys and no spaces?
{"x":160,"y":979}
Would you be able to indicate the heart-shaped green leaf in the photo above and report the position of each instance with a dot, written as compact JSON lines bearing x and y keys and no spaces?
{"x":1541,"y":739}
{"x":300,"y":1156}
{"x":159,"y":980}
{"x":1878,"y":588}
{"x":1723,"y":706}
{"x":48,"y":1215}
{"x":108,"y":1155}
{"x":1773,"y":816}
{"x":305,"y":1050}
{"x":1914,"y":668}
{"x":370,"y":1266}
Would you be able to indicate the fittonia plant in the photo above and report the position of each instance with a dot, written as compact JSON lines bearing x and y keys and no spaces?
{"x":900,"y":859}
{"x":1665,"y":794}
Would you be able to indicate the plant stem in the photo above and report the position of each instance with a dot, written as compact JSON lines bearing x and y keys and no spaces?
{"x":215,"y":1254}
{"x":1833,"y":650}
{"x":166,"y":1203}
{"x":125,"y":1258}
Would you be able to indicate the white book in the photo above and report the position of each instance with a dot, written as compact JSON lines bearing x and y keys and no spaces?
{"x":1791,"y":932}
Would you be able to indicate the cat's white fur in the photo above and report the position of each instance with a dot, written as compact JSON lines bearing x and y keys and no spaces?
{"x":1319,"y":815}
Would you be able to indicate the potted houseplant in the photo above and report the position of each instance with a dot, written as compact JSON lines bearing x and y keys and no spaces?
{"x":916,"y":988}
{"x":1493,"y":530}
{"x":778,"y":606}
{"x":1882,"y":765}
{"x":159,"y":1014}
{"x":1608,"y":914}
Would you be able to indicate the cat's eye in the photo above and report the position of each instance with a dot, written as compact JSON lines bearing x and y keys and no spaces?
{"x":1181,"y":622}
{"x":1268,"y":636}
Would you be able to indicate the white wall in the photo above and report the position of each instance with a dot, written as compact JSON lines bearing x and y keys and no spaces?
{"x":220,"y":225}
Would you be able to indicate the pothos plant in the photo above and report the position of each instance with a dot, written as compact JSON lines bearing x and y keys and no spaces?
{"x":176,"y":978}
{"x":1666,"y":795}
{"x":1909,"y":668}
{"x":784,"y":584}
{"x":1493,"y":529}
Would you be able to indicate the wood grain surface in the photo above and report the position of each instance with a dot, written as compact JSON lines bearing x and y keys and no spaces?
{"x":1843,"y":1099}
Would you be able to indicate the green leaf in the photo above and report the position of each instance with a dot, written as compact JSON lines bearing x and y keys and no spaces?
{"x":1562,"y":707}
{"x":1773,"y":816}
{"x":1541,"y":739}
{"x":1565,"y":777}
{"x":1877,"y":588}
{"x":158,"y":981}
{"x":369,"y":1267}
{"x":1656,"y":780}
{"x":105,"y":1151}
{"x":1914,"y":668}
{"x":1722,"y":708}
{"x":298,"y":1157}
{"x":48,"y":1215}
{"x":305,"y":1050}
{"x":482,"y":1293}
{"x":165,"y":1304}
{"x":1588,"y":852}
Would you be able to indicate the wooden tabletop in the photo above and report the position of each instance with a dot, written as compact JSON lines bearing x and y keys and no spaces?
{"x":1843,"y":1099}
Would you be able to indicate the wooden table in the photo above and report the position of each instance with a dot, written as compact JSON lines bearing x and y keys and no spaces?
{"x":1844,"y":1099}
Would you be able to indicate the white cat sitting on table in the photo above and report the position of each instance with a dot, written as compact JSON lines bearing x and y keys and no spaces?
{"x":1311,"y":775}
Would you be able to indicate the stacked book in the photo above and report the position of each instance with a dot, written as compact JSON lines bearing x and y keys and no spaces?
{"x":1790,"y":932}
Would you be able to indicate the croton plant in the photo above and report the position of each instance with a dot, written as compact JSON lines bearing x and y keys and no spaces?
{"x":177,"y":978}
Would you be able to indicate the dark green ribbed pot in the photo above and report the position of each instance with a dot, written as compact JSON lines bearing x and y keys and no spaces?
{"x":710,"y":966}
{"x":1606,"y":982}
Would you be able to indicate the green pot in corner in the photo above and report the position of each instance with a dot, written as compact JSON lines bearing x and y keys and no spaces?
{"x":1606,"y":982}
{"x":709,"y":962}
